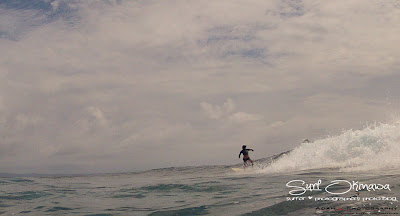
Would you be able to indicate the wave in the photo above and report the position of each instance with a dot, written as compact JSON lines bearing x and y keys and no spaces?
{"x":373,"y":148}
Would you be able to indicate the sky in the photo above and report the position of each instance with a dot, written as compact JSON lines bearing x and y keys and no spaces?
{"x":90,"y":86}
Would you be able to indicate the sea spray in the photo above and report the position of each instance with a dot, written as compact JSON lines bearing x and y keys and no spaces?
{"x":372,"y":148}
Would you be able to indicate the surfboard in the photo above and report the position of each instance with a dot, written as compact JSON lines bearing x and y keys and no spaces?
{"x":237,"y":169}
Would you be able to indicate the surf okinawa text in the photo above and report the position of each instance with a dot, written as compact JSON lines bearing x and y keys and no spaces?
{"x":300,"y":187}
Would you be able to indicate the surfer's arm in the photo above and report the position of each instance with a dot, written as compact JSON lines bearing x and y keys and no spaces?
{"x":250,"y":149}
{"x":240,"y":154}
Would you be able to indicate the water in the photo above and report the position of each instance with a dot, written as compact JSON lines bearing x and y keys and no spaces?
{"x":368,"y":156}
{"x":179,"y":191}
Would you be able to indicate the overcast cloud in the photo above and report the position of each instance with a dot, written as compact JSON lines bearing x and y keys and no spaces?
{"x":107,"y":86}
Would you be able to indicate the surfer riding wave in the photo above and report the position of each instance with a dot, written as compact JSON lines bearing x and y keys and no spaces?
{"x":246,"y":158}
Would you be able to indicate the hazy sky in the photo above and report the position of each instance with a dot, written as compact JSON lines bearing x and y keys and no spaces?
{"x":115,"y":85}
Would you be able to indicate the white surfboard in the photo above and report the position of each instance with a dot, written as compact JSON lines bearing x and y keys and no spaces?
{"x":237,"y":169}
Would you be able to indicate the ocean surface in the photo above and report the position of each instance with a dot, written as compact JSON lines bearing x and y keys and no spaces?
{"x":366,"y":163}
{"x":209,"y":190}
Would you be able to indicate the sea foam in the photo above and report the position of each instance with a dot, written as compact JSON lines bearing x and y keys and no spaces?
{"x":373,"y":148}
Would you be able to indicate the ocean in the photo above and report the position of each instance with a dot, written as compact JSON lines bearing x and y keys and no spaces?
{"x":355,"y":173}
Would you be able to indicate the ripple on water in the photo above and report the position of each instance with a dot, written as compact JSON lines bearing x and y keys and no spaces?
{"x":26,"y":195}
{"x":138,"y":196}
{"x":199,"y":187}
{"x":201,"y":210}
{"x":2,"y":182}
{"x":17,"y":180}
{"x":139,"y":193}
{"x":128,"y":208}
{"x":59,"y":208}
{"x":99,"y":215}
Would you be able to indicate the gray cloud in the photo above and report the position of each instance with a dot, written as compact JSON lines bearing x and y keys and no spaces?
{"x":99,"y":86}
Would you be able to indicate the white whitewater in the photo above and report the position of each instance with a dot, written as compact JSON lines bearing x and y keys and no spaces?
{"x":373,"y":148}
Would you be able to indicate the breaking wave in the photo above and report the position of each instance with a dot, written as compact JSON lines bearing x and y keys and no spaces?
{"x":372,"y":148}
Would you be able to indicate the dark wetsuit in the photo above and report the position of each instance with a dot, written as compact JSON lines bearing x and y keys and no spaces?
{"x":245,"y":153}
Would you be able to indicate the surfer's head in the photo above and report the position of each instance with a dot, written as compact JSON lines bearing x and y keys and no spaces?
{"x":243,"y":146}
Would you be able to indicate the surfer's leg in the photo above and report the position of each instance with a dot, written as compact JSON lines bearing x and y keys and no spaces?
{"x":245,"y":163}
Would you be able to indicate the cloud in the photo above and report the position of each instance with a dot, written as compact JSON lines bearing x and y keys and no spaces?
{"x":243,"y":117}
{"x":55,"y":5}
{"x":24,"y":120}
{"x":98,"y":116}
{"x":1,"y":103}
{"x":218,"y":112}
{"x":227,"y":112}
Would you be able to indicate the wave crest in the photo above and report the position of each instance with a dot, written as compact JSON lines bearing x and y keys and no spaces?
{"x":374,"y":147}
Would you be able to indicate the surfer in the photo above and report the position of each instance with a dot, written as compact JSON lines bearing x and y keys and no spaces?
{"x":245,"y":152}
